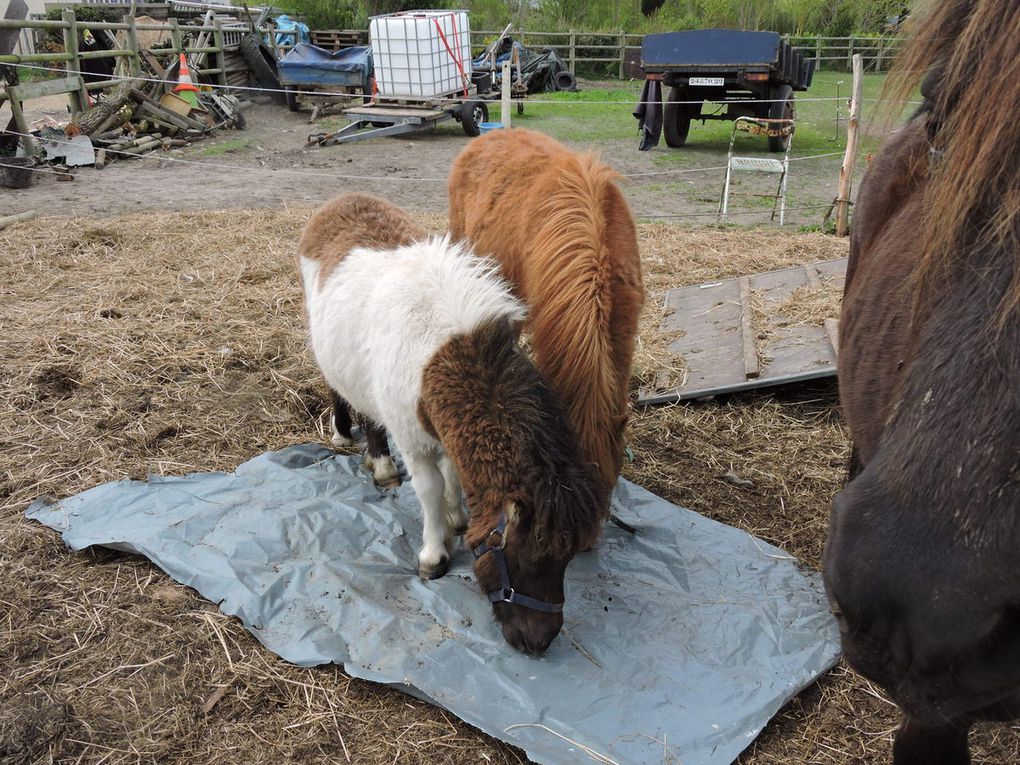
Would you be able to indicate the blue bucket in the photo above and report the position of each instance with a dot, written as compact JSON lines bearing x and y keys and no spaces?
{"x":485,"y":127}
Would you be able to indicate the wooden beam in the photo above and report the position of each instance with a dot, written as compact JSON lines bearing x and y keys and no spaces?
{"x":846,"y":172}
{"x":7,"y":220}
{"x":752,"y":370}
{"x":44,"y":88}
{"x":813,"y":280}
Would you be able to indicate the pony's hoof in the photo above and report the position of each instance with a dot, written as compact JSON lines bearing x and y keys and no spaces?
{"x":384,"y":472}
{"x":435,"y":571}
{"x":340,"y":442}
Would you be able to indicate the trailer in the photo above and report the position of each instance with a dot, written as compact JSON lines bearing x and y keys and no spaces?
{"x":423,"y":76}
{"x":750,"y":74}
{"x":388,"y":117}
{"x":326,"y":78}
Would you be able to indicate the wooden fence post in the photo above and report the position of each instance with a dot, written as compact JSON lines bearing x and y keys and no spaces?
{"x":846,"y":172}
{"x":72,"y":65}
{"x":573,"y":49}
{"x":623,"y":51}
{"x":818,"y":54}
{"x":221,"y":59}
{"x":850,"y":53}
{"x":504,"y":94}
{"x":134,"y":60}
{"x":175,"y":37}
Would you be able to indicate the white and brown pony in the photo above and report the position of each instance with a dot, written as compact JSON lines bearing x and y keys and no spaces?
{"x":562,"y":232}
{"x":922,"y":563}
{"x":421,"y":337}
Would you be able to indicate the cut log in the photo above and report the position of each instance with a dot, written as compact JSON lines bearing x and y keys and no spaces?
{"x":101,"y":116}
{"x":7,"y":220}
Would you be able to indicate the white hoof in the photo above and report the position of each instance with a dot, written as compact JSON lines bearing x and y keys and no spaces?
{"x":338,"y":441}
{"x":383,"y":469}
{"x":433,"y":565}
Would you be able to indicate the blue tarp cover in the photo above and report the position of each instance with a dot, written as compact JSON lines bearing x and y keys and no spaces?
{"x":307,"y":64}
{"x":291,"y":31}
{"x":680,"y":642}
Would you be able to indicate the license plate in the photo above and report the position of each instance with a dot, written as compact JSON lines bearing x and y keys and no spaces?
{"x":707,"y":81}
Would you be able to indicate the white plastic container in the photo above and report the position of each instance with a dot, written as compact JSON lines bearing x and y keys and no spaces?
{"x":421,"y":54}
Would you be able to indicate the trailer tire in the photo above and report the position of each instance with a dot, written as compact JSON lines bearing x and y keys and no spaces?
{"x":473,"y":114}
{"x":676,"y":118}
{"x":292,"y":102}
{"x":781,"y":108}
{"x":262,"y":63}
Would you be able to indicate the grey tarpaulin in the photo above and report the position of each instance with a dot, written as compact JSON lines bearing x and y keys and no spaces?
{"x":689,"y":635}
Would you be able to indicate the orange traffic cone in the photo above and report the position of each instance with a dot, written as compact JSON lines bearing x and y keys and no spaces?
{"x":186,"y":89}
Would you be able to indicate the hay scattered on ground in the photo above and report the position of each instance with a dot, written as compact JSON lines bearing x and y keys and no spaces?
{"x":173,"y":343}
{"x":811,"y":305}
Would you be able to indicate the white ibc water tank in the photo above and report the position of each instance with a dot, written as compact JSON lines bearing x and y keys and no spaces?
{"x":421,"y":54}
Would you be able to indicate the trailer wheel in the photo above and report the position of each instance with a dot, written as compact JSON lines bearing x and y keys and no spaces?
{"x":473,"y":114}
{"x":676,"y":117}
{"x":292,"y":102}
{"x":781,"y":108}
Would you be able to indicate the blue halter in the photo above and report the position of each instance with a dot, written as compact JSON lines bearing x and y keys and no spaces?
{"x":506,"y":593}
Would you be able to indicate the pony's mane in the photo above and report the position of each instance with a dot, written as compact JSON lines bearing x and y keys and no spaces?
{"x":489,"y":402}
{"x":973,"y":191}
{"x":571,"y":252}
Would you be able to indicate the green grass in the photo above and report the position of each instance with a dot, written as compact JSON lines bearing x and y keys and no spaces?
{"x":225,"y":147}
{"x":586,"y":117}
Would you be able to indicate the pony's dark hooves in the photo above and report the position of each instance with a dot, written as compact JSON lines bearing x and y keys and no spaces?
{"x":436,"y":571}
{"x":389,"y":483}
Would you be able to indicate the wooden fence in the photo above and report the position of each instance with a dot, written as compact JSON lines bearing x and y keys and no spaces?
{"x":619,"y":53}
{"x":607,"y":54}
{"x":212,"y":47}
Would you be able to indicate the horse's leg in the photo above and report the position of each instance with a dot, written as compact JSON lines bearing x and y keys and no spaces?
{"x":341,"y":421}
{"x":434,"y":558}
{"x":378,"y":459}
{"x":919,"y":745}
{"x":456,"y":518}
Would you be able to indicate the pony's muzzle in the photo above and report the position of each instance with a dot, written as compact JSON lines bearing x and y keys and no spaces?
{"x":532,"y":635}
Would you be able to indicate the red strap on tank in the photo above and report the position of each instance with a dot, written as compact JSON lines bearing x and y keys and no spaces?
{"x":454,"y":56}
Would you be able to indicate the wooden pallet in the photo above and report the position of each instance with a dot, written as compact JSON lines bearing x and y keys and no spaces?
{"x":719,"y":349}
{"x":338,"y":39}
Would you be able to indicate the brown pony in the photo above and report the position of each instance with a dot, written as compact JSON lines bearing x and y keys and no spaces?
{"x":565,"y":240}
{"x":922,"y":563}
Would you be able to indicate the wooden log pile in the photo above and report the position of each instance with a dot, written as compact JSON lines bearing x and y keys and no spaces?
{"x":130,"y":121}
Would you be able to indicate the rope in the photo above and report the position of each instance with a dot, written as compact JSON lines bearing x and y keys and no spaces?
{"x":326,"y":94}
{"x":390,"y":178}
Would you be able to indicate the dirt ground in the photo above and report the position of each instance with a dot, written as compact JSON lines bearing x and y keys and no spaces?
{"x":151,"y":322}
{"x":268,"y":164}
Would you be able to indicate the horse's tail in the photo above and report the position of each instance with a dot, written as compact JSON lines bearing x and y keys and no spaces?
{"x":967,"y":53}
{"x":586,"y":293}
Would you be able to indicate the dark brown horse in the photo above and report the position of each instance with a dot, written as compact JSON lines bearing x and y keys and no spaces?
{"x":922,"y":563}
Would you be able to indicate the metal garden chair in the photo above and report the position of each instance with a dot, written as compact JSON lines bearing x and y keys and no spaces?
{"x":780,"y":167}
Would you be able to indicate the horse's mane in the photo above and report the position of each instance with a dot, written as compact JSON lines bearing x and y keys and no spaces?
{"x":492,"y":408}
{"x":973,"y":191}
{"x":572,"y":319}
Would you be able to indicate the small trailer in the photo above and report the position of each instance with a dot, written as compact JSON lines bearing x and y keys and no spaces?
{"x":326,"y":78}
{"x":752,"y":74}
{"x":422,"y":76}
{"x":397,"y":117}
